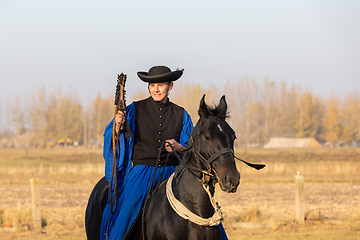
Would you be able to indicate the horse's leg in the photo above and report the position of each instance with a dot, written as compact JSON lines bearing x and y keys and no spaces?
{"x":94,"y":210}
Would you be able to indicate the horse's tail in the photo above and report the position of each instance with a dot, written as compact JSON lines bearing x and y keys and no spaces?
{"x":95,"y":208}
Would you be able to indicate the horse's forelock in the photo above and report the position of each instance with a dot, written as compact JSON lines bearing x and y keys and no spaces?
{"x":219,"y":112}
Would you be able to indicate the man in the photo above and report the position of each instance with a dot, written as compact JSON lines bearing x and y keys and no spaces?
{"x":152,"y":121}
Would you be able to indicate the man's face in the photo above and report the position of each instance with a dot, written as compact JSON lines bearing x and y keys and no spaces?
{"x":160,"y":91}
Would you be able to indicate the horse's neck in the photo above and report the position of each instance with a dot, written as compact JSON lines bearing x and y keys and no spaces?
{"x":190,"y":192}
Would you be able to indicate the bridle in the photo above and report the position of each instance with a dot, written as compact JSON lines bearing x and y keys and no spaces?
{"x":208,"y":173}
{"x":214,"y":156}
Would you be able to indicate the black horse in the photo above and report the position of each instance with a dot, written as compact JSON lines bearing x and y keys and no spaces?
{"x":184,"y":207}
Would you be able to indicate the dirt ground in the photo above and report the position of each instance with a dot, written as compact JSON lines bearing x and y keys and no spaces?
{"x":262,"y":208}
{"x":276,"y":201}
{"x":271,"y":203}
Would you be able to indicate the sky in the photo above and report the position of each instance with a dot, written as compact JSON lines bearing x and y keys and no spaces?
{"x":81,"y":45}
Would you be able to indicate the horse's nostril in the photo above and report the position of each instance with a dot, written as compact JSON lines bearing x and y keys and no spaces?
{"x":228,"y":181}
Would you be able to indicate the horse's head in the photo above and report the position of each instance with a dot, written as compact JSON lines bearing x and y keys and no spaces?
{"x":213,"y":142}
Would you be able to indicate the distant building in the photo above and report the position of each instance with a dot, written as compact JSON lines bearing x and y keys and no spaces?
{"x":292,"y":143}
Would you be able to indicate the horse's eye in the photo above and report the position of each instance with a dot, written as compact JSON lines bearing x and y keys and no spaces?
{"x":206,"y":135}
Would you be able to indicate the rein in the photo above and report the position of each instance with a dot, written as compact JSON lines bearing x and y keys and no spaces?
{"x":207,"y":162}
{"x":221,"y":152}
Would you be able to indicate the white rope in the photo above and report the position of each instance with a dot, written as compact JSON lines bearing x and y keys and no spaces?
{"x":183,"y":212}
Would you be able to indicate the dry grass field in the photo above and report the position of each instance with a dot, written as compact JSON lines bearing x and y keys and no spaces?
{"x":262,"y":208}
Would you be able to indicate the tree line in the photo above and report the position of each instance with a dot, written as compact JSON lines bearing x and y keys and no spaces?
{"x":261,"y":110}
{"x":258,"y":111}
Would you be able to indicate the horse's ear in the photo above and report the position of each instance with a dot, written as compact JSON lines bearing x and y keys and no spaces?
{"x":203,"y":108}
{"x":222,"y":107}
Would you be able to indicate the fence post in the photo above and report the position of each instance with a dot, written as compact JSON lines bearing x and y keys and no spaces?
{"x":299,"y":198}
{"x":35,"y":203}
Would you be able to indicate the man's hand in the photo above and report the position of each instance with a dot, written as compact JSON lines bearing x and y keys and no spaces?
{"x":119,"y":121}
{"x":176,"y":146}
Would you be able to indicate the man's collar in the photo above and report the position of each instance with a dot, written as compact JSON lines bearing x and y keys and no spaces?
{"x":159,"y":103}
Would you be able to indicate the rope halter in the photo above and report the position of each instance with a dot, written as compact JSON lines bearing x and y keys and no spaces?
{"x":185,"y":213}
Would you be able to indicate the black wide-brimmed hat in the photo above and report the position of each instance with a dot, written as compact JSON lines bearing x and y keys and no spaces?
{"x":158,"y":74}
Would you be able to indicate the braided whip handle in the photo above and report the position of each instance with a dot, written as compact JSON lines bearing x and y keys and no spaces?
{"x":120,"y":105}
{"x":120,"y":101}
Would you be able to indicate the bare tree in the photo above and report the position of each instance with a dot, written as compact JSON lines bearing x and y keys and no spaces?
{"x":350,"y":118}
{"x":332,"y":120}
{"x":100,"y":113}
{"x":37,"y":117}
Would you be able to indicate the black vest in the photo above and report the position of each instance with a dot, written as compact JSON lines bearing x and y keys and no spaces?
{"x":154,"y":123}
